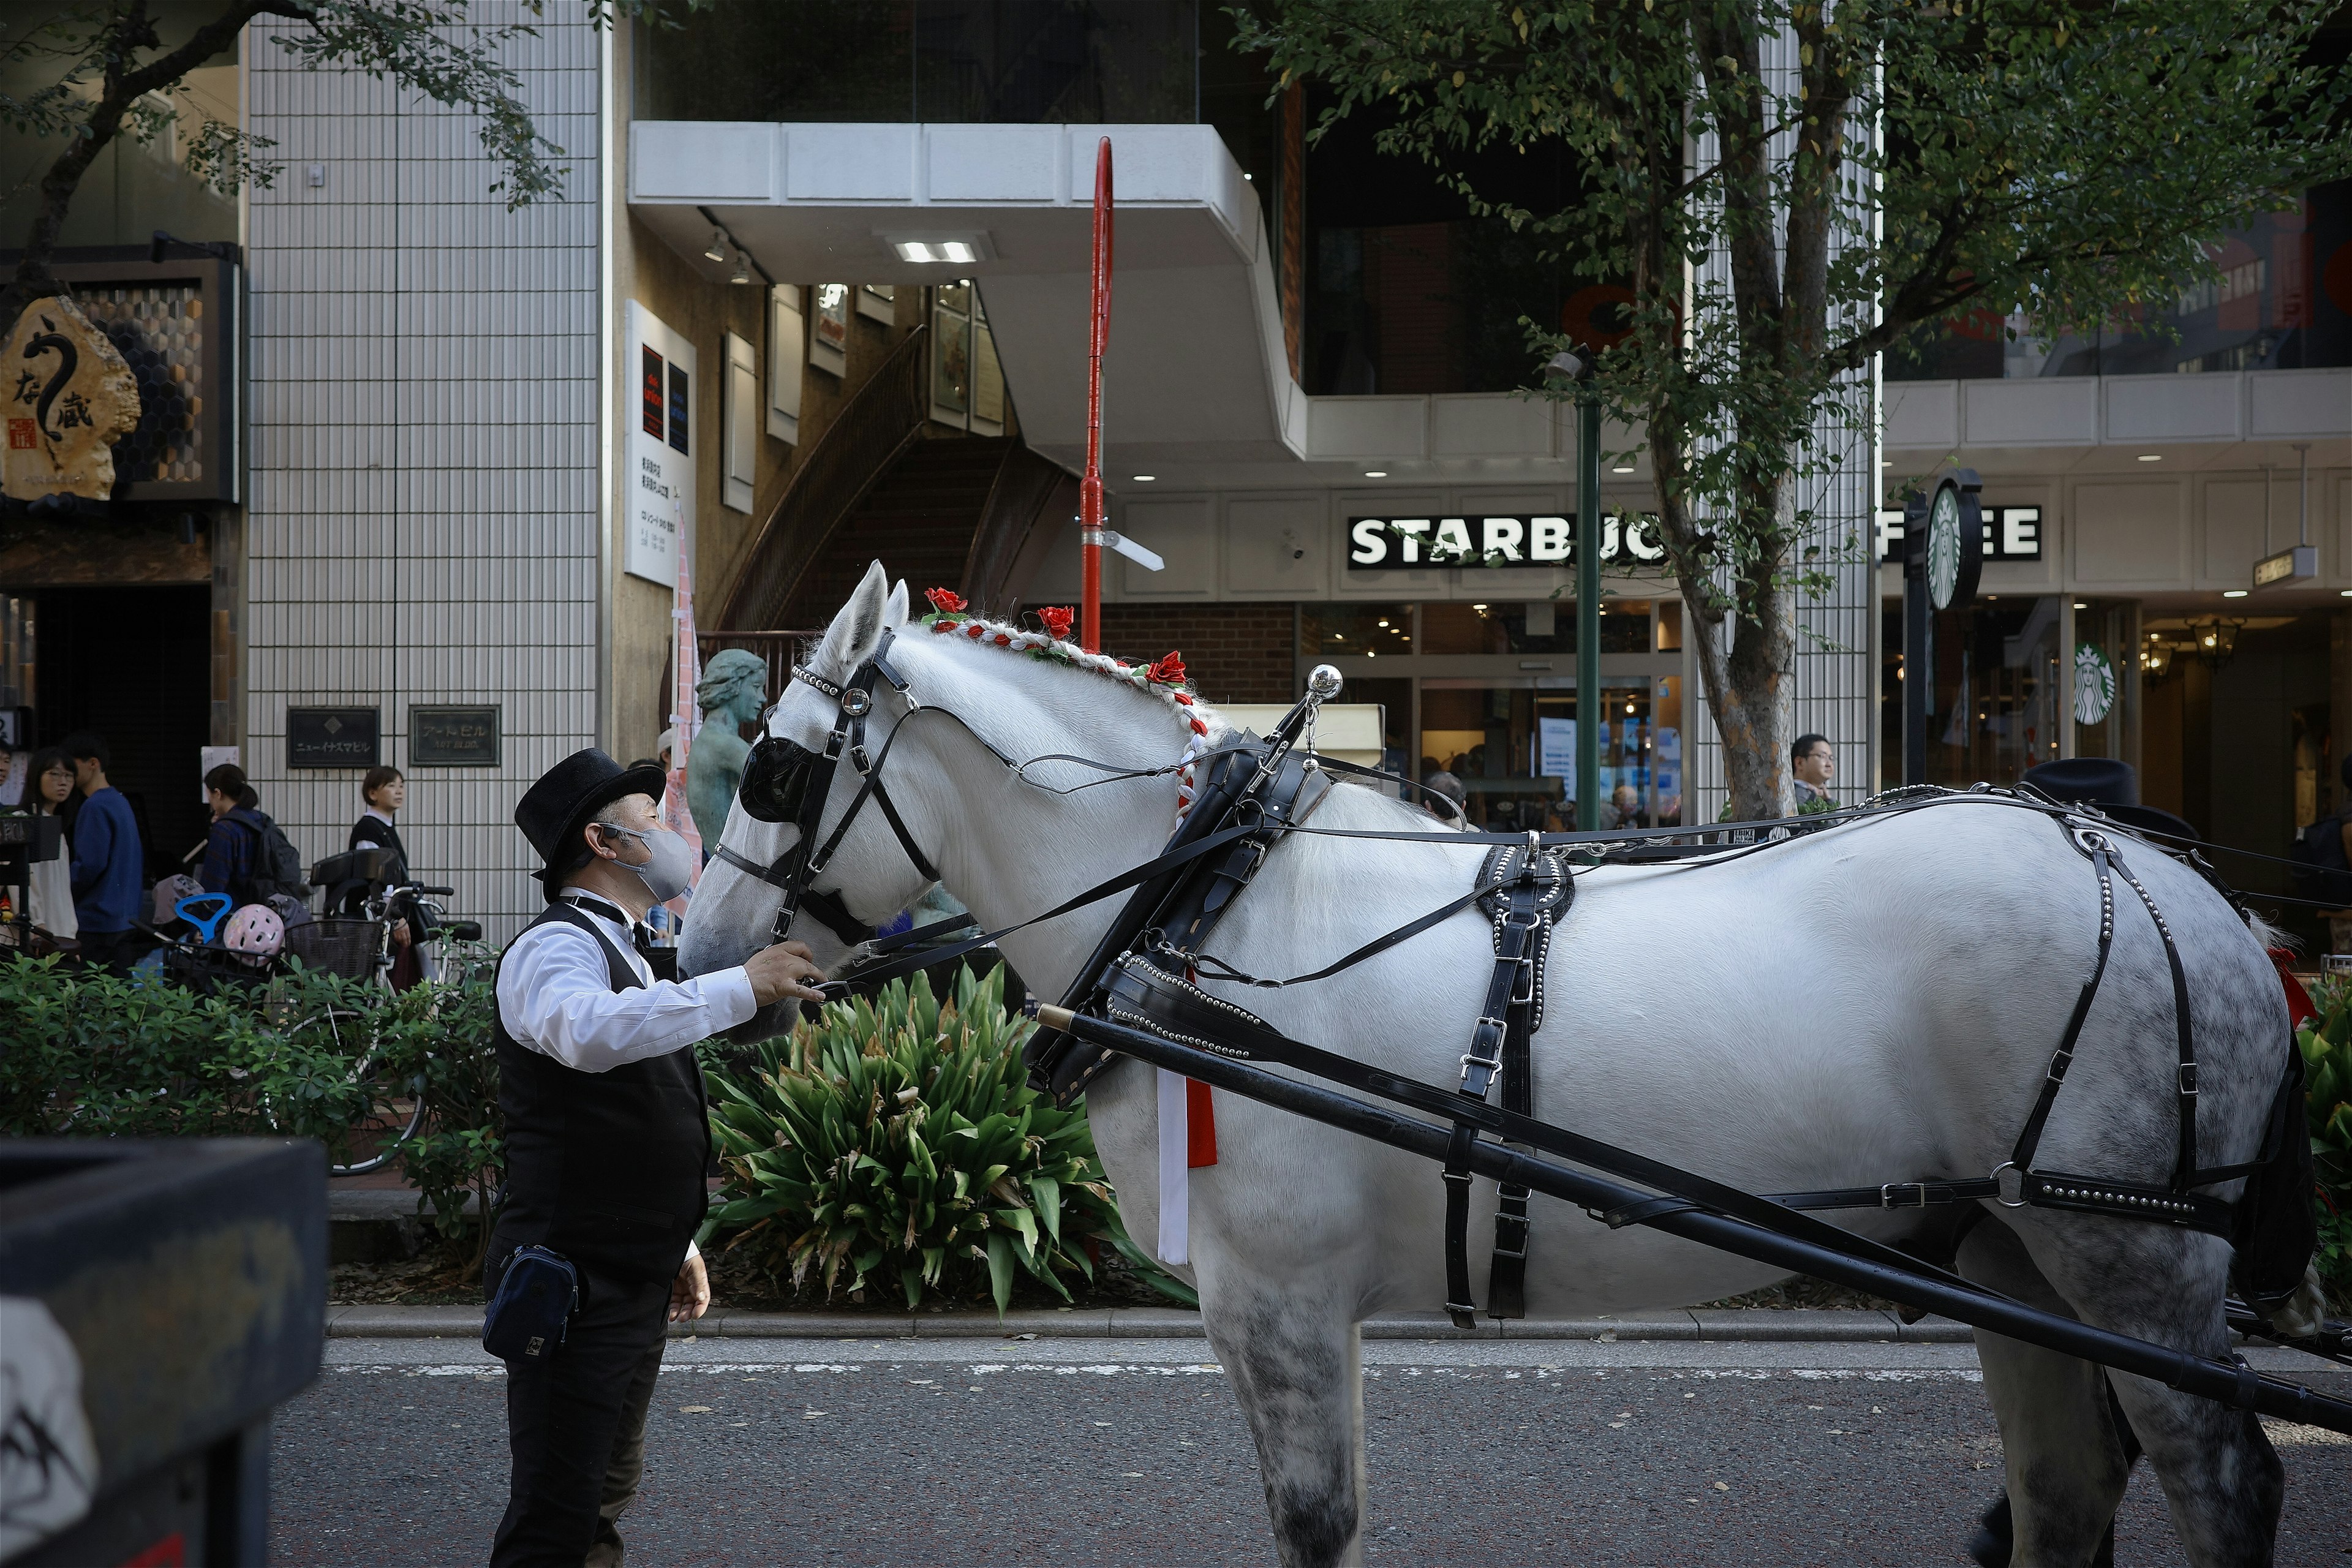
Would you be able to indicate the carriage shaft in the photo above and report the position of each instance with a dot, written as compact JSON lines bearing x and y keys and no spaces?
{"x":2223,"y":1382}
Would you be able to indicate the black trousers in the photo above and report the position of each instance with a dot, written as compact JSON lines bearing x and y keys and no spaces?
{"x":576,"y":1425}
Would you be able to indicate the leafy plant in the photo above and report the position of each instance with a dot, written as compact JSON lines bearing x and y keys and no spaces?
{"x":2326,"y":1044}
{"x":896,"y":1142}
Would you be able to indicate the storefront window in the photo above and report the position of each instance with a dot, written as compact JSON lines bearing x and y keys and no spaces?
{"x":1356,"y":629}
{"x":1992,"y":708}
{"x":2106,"y":685}
{"x":1513,"y":746}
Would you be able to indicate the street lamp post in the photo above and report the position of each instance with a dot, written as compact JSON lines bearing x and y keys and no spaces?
{"x":1588,"y":611}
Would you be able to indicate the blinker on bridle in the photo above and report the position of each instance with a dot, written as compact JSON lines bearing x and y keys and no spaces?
{"x":786,"y":781}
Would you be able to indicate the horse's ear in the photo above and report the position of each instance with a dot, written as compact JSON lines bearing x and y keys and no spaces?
{"x":856,"y":630}
{"x":894,"y":614}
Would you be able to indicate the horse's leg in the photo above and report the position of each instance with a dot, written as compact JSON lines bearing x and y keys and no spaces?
{"x":2066,"y":1463}
{"x":2223,"y":1481}
{"x":1297,"y":1365}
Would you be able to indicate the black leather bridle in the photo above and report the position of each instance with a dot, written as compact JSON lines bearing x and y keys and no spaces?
{"x":786,"y":781}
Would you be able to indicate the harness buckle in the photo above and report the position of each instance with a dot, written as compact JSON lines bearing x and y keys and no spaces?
{"x":2059,"y":1064}
{"x":2187,"y":1081}
{"x":1917,"y":1192}
{"x":1486,"y":1068}
{"x":860,"y":761}
{"x":1523,"y":990}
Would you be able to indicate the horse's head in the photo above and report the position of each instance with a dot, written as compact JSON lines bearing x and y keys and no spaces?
{"x":734,"y":909}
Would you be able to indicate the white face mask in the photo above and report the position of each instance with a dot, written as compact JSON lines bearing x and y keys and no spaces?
{"x":670,"y":869}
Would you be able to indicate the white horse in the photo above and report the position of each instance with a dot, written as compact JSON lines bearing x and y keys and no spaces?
{"x":1877,"y":1002}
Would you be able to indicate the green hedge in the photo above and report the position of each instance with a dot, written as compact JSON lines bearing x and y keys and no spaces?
{"x":308,"y":1054}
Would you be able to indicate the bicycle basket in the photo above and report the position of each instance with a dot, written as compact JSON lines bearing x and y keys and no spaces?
{"x":207,"y":971}
{"x":344,"y":947}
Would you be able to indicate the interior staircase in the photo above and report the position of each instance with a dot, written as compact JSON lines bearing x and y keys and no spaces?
{"x":917,"y":519}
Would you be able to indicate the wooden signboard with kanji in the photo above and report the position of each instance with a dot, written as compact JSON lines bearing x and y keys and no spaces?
{"x":66,"y":396}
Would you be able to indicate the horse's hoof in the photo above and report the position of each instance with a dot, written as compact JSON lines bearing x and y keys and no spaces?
{"x":1994,"y":1535}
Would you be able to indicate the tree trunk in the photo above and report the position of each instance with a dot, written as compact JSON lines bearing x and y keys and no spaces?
{"x":1744,"y":633}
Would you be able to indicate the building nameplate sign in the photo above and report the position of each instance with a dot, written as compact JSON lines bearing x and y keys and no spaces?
{"x":1394,"y":543}
{"x":333,"y":738}
{"x":453,"y":735}
{"x":2011,"y":533}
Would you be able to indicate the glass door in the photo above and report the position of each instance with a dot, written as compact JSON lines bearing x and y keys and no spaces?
{"x":1513,"y":745}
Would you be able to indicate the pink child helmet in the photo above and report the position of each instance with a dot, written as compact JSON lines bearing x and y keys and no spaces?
{"x":255,"y":934}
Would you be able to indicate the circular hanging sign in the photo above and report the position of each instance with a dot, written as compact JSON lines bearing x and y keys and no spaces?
{"x":1955,"y":547}
{"x":2095,"y":684}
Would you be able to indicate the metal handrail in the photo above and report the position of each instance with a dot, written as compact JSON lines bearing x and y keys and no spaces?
{"x":867,"y":434}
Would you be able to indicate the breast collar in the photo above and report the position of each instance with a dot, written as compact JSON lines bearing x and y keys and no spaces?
{"x":796,"y":867}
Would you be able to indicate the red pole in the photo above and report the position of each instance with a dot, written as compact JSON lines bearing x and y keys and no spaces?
{"x":1090,"y":490}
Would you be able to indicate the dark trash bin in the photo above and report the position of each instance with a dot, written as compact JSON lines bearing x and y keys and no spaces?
{"x":157,"y":1301}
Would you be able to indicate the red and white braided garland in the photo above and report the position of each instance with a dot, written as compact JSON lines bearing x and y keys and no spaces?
{"x":1163,"y":680}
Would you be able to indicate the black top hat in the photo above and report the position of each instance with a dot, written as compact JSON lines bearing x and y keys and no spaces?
{"x":554,"y":811}
{"x":2110,"y":785}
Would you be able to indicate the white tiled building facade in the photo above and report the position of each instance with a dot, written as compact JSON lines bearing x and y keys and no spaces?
{"x":423,"y":517}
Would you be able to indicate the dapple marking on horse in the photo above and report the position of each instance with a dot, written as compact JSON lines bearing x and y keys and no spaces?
{"x":1875,"y":1001}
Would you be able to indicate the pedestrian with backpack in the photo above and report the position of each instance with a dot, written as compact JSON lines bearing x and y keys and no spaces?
{"x":246,"y":854}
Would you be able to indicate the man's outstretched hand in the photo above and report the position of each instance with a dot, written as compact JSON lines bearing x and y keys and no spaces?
{"x":781,"y":970}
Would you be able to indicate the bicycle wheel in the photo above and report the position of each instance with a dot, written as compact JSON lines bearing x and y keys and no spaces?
{"x":365,"y":1117}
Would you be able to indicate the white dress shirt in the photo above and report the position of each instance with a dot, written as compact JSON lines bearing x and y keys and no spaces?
{"x":556,"y":998}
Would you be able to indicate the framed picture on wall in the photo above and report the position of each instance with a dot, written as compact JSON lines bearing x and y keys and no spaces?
{"x":829,"y":328}
{"x":879,"y":301}
{"x":787,"y":354}
{"x":951,"y":355}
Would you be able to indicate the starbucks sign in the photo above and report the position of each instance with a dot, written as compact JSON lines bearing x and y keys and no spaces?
{"x":2095,"y":684}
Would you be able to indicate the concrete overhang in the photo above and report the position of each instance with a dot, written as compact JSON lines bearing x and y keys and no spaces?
{"x":2059,"y":426}
{"x":1197,"y":389}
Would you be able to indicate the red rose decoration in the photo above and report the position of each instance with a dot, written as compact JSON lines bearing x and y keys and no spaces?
{"x":944,"y":626}
{"x":945,"y":601}
{"x":1058,"y":620}
{"x":1169,"y":671}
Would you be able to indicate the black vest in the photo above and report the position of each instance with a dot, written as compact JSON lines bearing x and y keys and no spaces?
{"x":605,"y":1168}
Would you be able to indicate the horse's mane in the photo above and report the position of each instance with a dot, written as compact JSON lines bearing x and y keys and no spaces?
{"x":1163,"y":680}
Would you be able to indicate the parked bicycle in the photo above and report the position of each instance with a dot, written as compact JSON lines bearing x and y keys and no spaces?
{"x":359,"y":945}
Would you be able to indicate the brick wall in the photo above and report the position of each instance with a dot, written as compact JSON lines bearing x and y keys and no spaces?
{"x":1235,"y":653}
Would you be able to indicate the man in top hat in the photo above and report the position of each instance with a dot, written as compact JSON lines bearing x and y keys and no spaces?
{"x":607,"y":1141}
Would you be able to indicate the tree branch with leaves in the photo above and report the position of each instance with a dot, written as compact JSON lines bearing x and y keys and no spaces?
{"x":114,"y":72}
{"x":1791,"y":188}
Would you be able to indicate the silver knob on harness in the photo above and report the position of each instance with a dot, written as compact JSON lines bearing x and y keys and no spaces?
{"x":1323,"y":683}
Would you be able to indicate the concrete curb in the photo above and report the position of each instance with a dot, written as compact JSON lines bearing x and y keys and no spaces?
{"x":1754,"y":1325}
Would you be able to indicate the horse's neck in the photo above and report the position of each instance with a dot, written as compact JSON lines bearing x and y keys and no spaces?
{"x":1014,"y":850}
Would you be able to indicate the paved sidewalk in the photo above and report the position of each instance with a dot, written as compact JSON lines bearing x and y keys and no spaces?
{"x":1750,"y":1326}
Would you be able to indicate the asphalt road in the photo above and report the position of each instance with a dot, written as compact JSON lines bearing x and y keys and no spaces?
{"x":1133,"y":1452}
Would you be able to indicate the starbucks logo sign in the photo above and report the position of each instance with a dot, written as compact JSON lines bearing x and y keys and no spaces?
{"x":2095,"y":684}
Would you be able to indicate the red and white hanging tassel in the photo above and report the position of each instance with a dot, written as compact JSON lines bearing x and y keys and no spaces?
{"x":1188,"y":1141}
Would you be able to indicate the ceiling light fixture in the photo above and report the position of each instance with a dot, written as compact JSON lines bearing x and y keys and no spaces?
{"x":2233,"y":593}
{"x":717,"y":248}
{"x":1376,"y":473}
{"x":1626,"y":469}
{"x":2080,"y":606}
{"x":1145,"y":479}
{"x":2151,"y":456}
{"x":743,"y":268}
{"x":960,"y":252}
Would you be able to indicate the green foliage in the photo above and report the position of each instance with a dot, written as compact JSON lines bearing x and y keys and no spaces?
{"x":896,"y":1143}
{"x":2326,"y":1044}
{"x":2069,"y":162}
{"x":310,"y":1055}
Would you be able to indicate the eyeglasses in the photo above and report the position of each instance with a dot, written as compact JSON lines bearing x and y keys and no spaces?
{"x":776,"y":779}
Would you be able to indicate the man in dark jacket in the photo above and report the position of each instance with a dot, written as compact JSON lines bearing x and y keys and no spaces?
{"x":107,"y":857}
{"x":607,"y":1140}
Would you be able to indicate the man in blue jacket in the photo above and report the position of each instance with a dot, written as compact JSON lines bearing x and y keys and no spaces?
{"x":107,"y":857}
